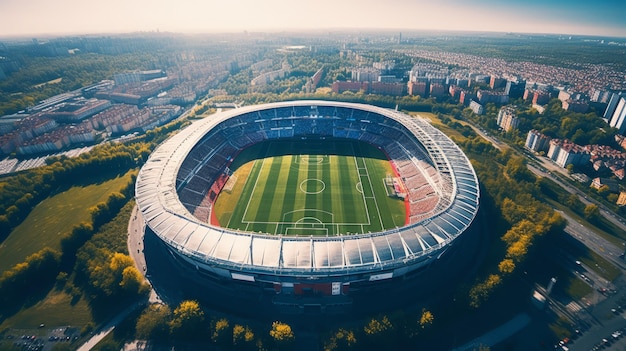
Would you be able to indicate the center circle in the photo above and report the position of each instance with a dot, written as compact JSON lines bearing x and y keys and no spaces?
{"x":316,"y":185}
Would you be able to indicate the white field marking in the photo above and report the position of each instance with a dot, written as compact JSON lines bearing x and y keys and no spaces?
{"x":312,"y":192}
{"x":300,"y":224}
{"x":332,"y":215}
{"x":369,"y":181}
{"x":359,"y":187}
{"x":286,"y":224}
{"x":367,"y":211}
{"x":307,"y":159}
{"x":325,"y":230}
{"x":256,"y":181}
{"x":300,"y":221}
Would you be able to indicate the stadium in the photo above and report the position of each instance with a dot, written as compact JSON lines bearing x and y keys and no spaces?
{"x":310,"y":255}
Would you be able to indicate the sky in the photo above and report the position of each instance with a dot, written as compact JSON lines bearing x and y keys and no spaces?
{"x":32,"y":18}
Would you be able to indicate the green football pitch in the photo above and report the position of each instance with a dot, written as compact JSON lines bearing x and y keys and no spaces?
{"x":310,"y":187}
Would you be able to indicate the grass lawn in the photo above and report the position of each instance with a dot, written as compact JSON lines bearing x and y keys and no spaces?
{"x":54,"y":217}
{"x":321,"y":187}
{"x":56,"y":309}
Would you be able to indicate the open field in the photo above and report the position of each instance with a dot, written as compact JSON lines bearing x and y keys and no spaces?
{"x":312,"y":187}
{"x":55,"y":309}
{"x":53,"y":217}
{"x":65,"y":306}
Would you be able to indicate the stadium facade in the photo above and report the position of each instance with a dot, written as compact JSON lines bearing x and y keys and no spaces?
{"x":180,"y":181}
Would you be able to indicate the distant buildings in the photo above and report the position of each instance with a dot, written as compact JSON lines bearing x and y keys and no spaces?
{"x":268,"y":77}
{"x":496,"y":82}
{"x":261,"y":65}
{"x":601,"y":96}
{"x":540,"y":97}
{"x":485,"y":96}
{"x":539,"y":109}
{"x":455,"y":91}
{"x":515,"y":89}
{"x":621,"y":200}
{"x":135,"y":93}
{"x":564,"y":152}
{"x":136,"y":77}
{"x":57,"y":140}
{"x":537,"y":142}
{"x":599,"y":182}
{"x":79,"y":118}
{"x":611,"y":106}
{"x":417,"y":89}
{"x":605,"y":157}
{"x":476,"y":107}
{"x":313,"y":81}
{"x":437,"y":90}
{"x":393,"y":89}
{"x":618,"y":118}
{"x":571,"y":101}
{"x":575,"y":106}
{"x":365,"y":74}
{"x":507,"y":119}
{"x":564,"y":95}
{"x":77,"y":110}
{"x":465,"y":98}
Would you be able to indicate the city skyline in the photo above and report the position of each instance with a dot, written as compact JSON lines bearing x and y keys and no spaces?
{"x":40,"y":17}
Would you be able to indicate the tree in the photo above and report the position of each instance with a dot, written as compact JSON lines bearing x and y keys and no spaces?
{"x":281,"y":332}
{"x":221,"y":332}
{"x":573,"y":202}
{"x":343,"y":339}
{"x":523,"y":228}
{"x":188,"y":320}
{"x":516,"y":169}
{"x":602,"y":191}
{"x":153,"y":322}
{"x":506,"y":266}
{"x":376,"y":326}
{"x":481,"y":291}
{"x":243,"y":337}
{"x":426,"y":319}
{"x":517,"y":251}
{"x":16,"y":284}
{"x":108,"y":345}
{"x":592,"y":213}
{"x":132,"y":281}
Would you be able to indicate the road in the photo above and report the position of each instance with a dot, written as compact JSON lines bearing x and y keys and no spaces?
{"x":105,"y":330}
{"x":605,"y":212}
{"x":593,"y":241}
{"x":136,"y":227}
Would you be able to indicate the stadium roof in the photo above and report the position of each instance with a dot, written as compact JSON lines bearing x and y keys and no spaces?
{"x":247,"y":252}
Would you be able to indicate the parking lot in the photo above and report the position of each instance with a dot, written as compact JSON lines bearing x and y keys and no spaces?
{"x":41,"y":339}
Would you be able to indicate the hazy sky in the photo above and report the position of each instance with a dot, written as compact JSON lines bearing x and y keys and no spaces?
{"x":40,"y":17}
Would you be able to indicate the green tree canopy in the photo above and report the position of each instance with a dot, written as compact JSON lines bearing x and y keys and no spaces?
{"x":592,"y":213}
{"x":281,"y":332}
{"x":187,"y":321}
{"x":153,"y":322}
